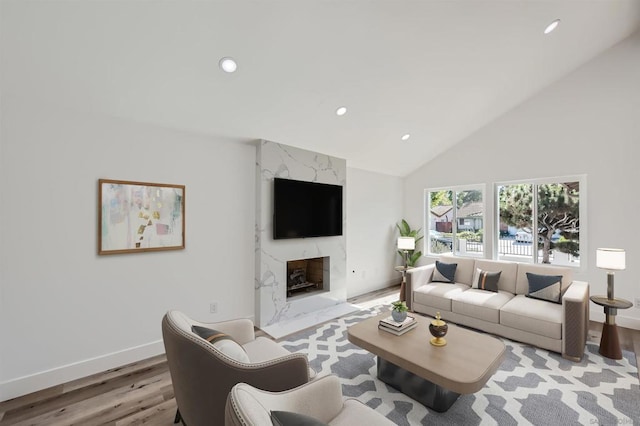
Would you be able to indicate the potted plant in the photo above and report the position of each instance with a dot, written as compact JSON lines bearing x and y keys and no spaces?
{"x":399,"y":310}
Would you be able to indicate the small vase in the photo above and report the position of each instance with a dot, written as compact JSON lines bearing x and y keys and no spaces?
{"x":398,"y":316}
{"x":438,"y":330}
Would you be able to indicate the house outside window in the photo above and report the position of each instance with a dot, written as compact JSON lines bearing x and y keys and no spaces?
{"x":454,"y":220}
{"x":539,"y":221}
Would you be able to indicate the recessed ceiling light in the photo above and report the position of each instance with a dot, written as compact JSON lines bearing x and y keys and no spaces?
{"x":228,"y":64}
{"x":405,"y":137}
{"x":341,"y":111}
{"x":552,"y":26}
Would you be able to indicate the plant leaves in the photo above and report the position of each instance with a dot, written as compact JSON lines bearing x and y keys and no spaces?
{"x":415,"y":256}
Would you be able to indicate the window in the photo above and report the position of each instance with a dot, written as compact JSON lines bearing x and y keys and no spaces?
{"x":539,"y":221}
{"x":454,"y":220}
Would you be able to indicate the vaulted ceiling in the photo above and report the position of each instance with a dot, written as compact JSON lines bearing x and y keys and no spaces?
{"x":437,"y":70}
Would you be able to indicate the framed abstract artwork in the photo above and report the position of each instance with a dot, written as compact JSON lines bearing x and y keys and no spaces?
{"x":140,"y":217}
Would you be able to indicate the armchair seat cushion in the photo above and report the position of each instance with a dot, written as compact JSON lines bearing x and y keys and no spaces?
{"x":263,"y":349}
{"x":480,"y":304}
{"x":438,"y":295}
{"x":532,"y":315}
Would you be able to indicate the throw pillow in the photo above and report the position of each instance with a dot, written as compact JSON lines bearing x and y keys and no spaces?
{"x":545,"y":287}
{"x":287,"y":418}
{"x":222,"y":342}
{"x":485,"y":280}
{"x":444,"y":272}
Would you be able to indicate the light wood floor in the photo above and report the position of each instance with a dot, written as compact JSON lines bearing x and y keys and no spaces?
{"x":141,"y":393}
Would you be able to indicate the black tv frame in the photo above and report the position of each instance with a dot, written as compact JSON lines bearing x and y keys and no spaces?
{"x":303,"y":209}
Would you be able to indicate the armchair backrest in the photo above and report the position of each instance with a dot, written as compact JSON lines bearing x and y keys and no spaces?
{"x":195,"y":367}
{"x":320,"y":399}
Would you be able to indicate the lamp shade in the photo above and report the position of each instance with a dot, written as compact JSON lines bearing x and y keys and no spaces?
{"x":406,"y":243}
{"x":610,"y":258}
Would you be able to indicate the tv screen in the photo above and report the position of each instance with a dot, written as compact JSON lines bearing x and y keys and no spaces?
{"x":306,"y":209}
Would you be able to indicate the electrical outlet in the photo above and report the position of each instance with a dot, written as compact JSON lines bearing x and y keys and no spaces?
{"x":637,"y":304}
{"x":213,"y":307}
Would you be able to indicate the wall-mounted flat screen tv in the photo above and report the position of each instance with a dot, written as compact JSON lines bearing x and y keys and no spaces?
{"x":306,"y":209}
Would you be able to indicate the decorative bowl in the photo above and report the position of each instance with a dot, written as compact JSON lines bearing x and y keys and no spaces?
{"x":438,"y":329}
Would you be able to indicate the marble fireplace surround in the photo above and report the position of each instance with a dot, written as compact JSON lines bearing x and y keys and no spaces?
{"x":276,"y":314}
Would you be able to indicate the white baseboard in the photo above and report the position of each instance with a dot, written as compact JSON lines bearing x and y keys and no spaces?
{"x":597,"y":315}
{"x":34,"y":382}
{"x":380,"y":286}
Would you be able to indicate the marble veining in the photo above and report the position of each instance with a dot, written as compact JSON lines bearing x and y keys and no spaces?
{"x":272,"y":305}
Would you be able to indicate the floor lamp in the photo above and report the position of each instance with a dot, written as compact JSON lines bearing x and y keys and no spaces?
{"x":405,"y":244}
{"x":610,"y":260}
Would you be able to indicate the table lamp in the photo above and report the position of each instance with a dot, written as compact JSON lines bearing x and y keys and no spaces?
{"x":405,"y":244}
{"x":611,"y":260}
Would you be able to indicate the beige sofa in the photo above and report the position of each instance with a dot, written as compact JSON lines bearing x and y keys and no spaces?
{"x":509,"y":313}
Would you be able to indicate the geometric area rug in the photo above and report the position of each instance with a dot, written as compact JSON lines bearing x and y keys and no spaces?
{"x":532,"y":386}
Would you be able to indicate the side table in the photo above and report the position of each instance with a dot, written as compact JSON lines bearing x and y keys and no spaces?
{"x":609,"y":342}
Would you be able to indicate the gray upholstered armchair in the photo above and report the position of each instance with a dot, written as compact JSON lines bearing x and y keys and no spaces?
{"x":203,"y":375}
{"x":320,"y":399}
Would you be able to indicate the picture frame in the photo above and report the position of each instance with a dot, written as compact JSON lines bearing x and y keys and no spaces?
{"x":135,"y":217}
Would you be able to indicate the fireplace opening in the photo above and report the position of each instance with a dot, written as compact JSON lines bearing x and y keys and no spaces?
{"x":306,"y":276}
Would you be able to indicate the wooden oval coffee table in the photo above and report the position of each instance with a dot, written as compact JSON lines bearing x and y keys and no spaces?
{"x":434,"y":376}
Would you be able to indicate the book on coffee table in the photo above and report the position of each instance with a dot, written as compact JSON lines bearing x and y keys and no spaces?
{"x":398,"y":331}
{"x":390,"y":322}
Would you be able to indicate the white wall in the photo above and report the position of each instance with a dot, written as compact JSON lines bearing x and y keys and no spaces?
{"x":374,"y":206}
{"x":587,"y":123}
{"x":65,"y":311}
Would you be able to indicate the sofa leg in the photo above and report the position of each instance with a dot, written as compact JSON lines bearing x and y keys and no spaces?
{"x":178,"y":418}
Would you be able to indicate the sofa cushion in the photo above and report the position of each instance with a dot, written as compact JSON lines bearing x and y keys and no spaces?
{"x":509,"y":272}
{"x":522,"y":283}
{"x":480,"y":304}
{"x":545,"y":287}
{"x":465,"y":269}
{"x":534,"y":316}
{"x":485,"y":280}
{"x":222,"y":342}
{"x":438,"y":295}
{"x":444,"y":272}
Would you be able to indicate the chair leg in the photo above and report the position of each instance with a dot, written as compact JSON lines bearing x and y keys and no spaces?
{"x":178,"y":418}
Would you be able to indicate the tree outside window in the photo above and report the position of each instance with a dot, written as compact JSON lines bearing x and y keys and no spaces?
{"x":556,"y":231}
